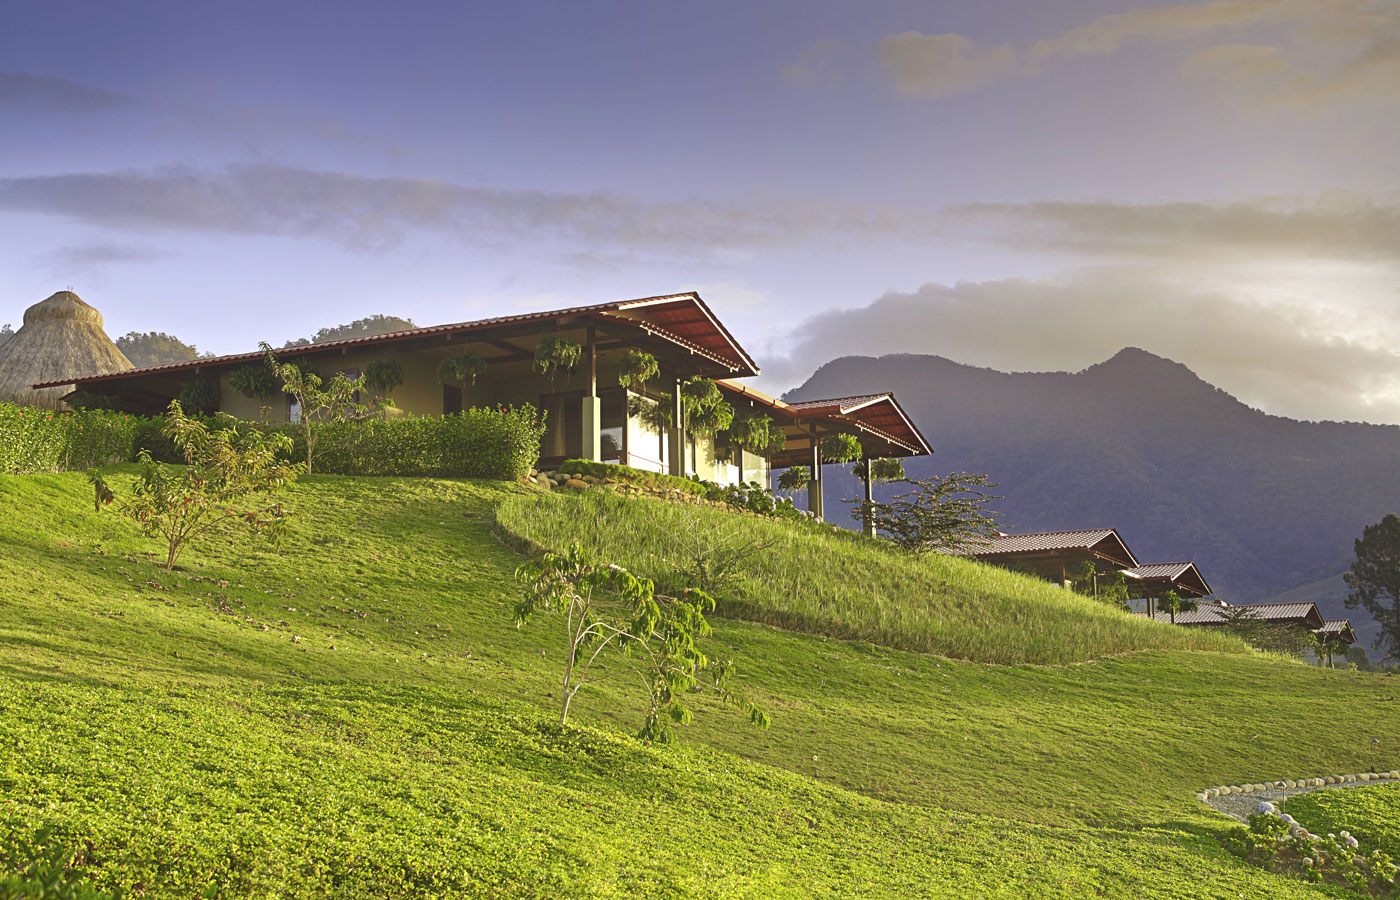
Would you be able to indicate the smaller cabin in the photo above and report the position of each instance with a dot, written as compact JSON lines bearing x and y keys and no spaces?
{"x":1058,"y":556}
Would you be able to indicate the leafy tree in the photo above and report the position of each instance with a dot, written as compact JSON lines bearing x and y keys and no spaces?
{"x":946,"y":514}
{"x":6,"y":332}
{"x":366,"y":327}
{"x":1262,"y":634}
{"x":608,"y":612}
{"x":1107,"y":587}
{"x":320,"y":403}
{"x":1172,"y":603}
{"x":1374,"y":580}
{"x":156,"y":348}
{"x":228,"y":477}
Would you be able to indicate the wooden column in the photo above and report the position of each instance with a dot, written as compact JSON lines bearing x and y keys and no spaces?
{"x":591,"y":413}
{"x":868,"y":526}
{"x":814,"y":487}
{"x":676,"y":438}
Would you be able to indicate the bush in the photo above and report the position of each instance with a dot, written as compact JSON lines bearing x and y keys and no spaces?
{"x":477,"y":443}
{"x":39,"y":440}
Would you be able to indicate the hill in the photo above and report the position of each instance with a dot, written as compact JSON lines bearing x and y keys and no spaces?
{"x":352,"y":715}
{"x":1261,"y":503}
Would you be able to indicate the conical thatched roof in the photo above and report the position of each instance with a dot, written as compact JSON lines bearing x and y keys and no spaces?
{"x":62,"y":337}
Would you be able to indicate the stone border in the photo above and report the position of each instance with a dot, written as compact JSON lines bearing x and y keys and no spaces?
{"x":1239,"y":800}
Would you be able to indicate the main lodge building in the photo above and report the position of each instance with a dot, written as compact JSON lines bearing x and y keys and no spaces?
{"x":589,"y":414}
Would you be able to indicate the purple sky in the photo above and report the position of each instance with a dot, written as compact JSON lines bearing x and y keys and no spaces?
{"x":1026,"y":185}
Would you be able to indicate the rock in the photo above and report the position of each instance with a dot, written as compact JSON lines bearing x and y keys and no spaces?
{"x":1290,"y":784}
{"x":543,"y":481}
{"x":533,"y":473}
{"x":591,"y":479}
{"x":1201,"y":796}
{"x":576,"y":484}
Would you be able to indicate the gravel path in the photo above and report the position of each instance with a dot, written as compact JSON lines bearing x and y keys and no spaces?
{"x":1241,"y":806}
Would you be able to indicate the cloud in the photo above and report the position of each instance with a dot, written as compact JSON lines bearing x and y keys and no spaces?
{"x":939,"y":65}
{"x":47,"y":92}
{"x":1351,"y":47}
{"x":375,"y":213}
{"x":81,"y":256}
{"x":1333,"y":225}
{"x":1288,"y":358}
{"x":814,"y":67}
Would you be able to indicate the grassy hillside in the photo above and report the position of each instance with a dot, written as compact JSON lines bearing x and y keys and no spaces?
{"x":354,"y":716}
{"x":835,"y":583}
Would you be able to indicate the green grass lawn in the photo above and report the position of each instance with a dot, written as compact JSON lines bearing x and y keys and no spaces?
{"x":354,"y":715}
{"x":1371,"y":814}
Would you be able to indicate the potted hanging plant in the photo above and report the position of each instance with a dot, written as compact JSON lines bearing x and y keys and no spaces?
{"x":255,"y":382}
{"x":555,"y":353}
{"x":463,"y":368}
{"x":637,"y":368}
{"x":381,"y":377}
{"x":840,"y":448}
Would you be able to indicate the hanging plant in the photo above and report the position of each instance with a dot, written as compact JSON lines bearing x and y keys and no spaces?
{"x":840,"y":448}
{"x":199,"y":396}
{"x":638,"y":367}
{"x":794,"y":479}
{"x":382,"y":376}
{"x":883,"y":469}
{"x":464,"y":368}
{"x":255,"y":382}
{"x":655,"y":416}
{"x":555,"y":353}
{"x":758,"y":434}
{"x":706,"y":410}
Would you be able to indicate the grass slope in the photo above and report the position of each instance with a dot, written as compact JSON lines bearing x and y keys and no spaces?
{"x":832,"y":582}
{"x":355,"y":717}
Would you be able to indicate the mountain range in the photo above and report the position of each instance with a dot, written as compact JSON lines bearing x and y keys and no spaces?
{"x":1264,"y":505}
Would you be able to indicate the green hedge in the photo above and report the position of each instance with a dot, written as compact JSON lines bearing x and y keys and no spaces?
{"x":478,"y":443}
{"x":40,"y":440}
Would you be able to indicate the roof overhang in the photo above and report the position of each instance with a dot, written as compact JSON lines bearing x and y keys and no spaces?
{"x":1182,"y":577}
{"x":682,"y":321}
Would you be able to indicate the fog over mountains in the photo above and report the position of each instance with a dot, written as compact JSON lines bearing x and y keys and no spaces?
{"x":1263,"y":504}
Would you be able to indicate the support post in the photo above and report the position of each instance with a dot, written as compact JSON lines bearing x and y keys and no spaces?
{"x":814,"y":487}
{"x":868,"y":526}
{"x":591,"y":414}
{"x":676,"y":439}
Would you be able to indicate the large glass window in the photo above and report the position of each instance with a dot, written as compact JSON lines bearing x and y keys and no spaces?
{"x":646,"y":446}
{"x":614,"y":424}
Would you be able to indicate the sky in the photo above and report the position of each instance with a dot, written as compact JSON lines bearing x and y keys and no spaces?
{"x":1022,"y":184}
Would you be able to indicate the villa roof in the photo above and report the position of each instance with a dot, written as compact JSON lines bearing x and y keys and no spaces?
{"x":879,"y":414}
{"x":682,"y":319}
{"x":1281,"y":613}
{"x":1338,"y":630}
{"x":1102,"y":542}
{"x":1182,"y":575}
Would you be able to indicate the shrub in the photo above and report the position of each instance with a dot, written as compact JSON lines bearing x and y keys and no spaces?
{"x":476,"y":443}
{"x":39,"y":867}
{"x":38,"y":440}
{"x":627,"y":474}
{"x":227,"y":478}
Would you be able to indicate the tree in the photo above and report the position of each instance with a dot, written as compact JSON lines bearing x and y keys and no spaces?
{"x":1171,"y":602}
{"x":609,"y":612}
{"x":946,"y":514}
{"x":1262,"y":634}
{"x":228,"y":477}
{"x":366,"y":327}
{"x":1374,"y":580}
{"x":6,"y":332}
{"x":319,"y":405}
{"x":156,"y":348}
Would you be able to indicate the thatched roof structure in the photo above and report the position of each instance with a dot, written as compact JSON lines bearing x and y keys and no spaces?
{"x":62,"y":337}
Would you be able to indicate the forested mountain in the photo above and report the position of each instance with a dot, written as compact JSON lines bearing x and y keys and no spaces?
{"x":1183,"y":470}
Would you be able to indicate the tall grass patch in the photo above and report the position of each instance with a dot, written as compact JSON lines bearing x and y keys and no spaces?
{"x":822,"y":580}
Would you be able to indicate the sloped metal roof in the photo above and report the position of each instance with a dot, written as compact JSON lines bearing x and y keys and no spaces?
{"x":1214,"y":613}
{"x":1179,"y":574}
